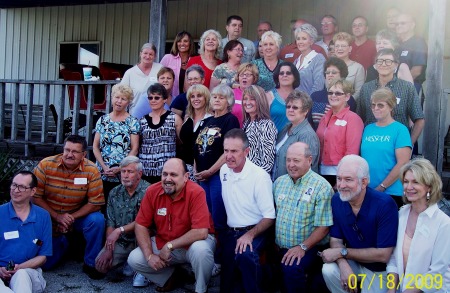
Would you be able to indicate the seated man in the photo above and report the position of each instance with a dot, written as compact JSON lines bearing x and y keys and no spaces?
{"x":183,"y":230}
{"x":305,"y":196}
{"x":364,"y":231}
{"x":71,"y":190}
{"x":248,"y":200}
{"x":123,"y":205}
{"x":26,"y":238}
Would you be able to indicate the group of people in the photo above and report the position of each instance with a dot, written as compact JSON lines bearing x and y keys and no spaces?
{"x":222,"y":158}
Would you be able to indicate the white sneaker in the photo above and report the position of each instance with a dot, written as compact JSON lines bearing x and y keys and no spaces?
{"x":127,"y":270}
{"x":139,"y":280}
{"x":216,"y":270}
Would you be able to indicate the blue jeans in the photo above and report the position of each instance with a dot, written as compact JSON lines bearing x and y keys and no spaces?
{"x":247,"y":264}
{"x":213,"y":189}
{"x":93,"y":228}
{"x":294,"y":277}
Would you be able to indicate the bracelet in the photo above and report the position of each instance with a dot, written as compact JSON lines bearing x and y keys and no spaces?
{"x":149,"y":257}
{"x":382,"y":185}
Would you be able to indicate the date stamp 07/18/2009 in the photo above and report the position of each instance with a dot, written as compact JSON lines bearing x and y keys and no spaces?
{"x":411,"y":281}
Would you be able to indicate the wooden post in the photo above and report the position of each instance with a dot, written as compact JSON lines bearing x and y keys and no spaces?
{"x":158,"y":26}
{"x":435,"y":100}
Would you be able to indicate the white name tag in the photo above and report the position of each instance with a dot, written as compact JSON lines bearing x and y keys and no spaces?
{"x":289,"y":55}
{"x":340,"y":122}
{"x":239,"y":102}
{"x":162,"y":212}
{"x":398,"y":100}
{"x":11,"y":235}
{"x":212,"y":131}
{"x":80,"y":181}
{"x":245,"y":48}
{"x":404,"y":53}
{"x":281,"y":197}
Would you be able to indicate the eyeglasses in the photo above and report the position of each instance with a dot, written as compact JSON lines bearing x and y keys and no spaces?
{"x":238,"y":50}
{"x":286,"y":73}
{"x":388,"y":62}
{"x":356,"y":229}
{"x":295,"y":108}
{"x":378,"y":105}
{"x":332,"y":72}
{"x":21,"y":188}
{"x":246,"y":75}
{"x":337,"y":94}
{"x":194,"y":79}
{"x":326,"y":23}
{"x":156,"y":98}
{"x":69,"y":151}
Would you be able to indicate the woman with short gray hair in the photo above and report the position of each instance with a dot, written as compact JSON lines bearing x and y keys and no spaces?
{"x":309,"y":63}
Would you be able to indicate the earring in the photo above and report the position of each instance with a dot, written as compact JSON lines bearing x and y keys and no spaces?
{"x":428,"y":195}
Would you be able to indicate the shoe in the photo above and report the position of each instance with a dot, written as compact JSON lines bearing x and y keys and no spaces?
{"x":216,"y":270}
{"x":127,"y":270}
{"x":139,"y":280}
{"x":92,"y":273}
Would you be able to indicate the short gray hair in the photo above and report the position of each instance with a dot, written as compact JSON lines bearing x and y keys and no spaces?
{"x":363,"y":166}
{"x":197,"y":68}
{"x":131,"y":160}
{"x":202,"y":42}
{"x":275,"y":36}
{"x":148,"y":46}
{"x":309,"y":29}
{"x":227,"y":92}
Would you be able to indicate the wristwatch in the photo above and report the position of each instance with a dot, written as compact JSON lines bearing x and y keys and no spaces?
{"x":303,"y":246}
{"x":170,"y":246}
{"x":344,"y":252}
{"x":122,"y":230}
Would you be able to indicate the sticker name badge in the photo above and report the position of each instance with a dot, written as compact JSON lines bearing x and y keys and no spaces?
{"x":80,"y":181}
{"x":398,"y":100}
{"x":289,"y":55}
{"x":281,"y":197}
{"x":308,"y":193}
{"x":162,"y":212}
{"x":11,"y":235}
{"x":404,"y":53}
{"x":340,"y":122}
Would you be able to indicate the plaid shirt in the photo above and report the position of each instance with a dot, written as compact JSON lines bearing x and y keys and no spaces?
{"x":408,"y":102}
{"x":301,"y":207}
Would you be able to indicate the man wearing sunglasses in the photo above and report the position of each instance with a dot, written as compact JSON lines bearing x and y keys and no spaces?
{"x":364,"y":232}
{"x":71,"y":190}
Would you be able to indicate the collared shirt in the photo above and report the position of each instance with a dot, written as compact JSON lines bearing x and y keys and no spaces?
{"x":291,"y":52}
{"x":247,"y":195}
{"x":174,"y":218}
{"x":66,"y":191}
{"x":339,"y":135}
{"x":301,"y":207}
{"x":123,"y":208}
{"x":173,"y":62}
{"x":17,"y":236}
{"x":364,"y":54}
{"x":408,"y":102}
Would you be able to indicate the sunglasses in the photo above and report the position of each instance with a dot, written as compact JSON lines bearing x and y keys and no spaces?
{"x":337,"y":94}
{"x":378,"y":105}
{"x":156,"y":98}
{"x":295,"y":108}
{"x":286,"y":73}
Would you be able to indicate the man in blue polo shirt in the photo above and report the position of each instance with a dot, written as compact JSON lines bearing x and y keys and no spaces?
{"x":364,"y":231}
{"x":25,"y":238}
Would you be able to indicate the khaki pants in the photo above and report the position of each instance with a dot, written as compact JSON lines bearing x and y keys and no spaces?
{"x":120,"y":254}
{"x":25,"y":281}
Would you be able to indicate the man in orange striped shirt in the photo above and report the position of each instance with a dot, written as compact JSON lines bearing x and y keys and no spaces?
{"x":70,"y":189}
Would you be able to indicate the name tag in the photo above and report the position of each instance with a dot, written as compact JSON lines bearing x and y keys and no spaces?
{"x":340,"y":122}
{"x":212,"y":131}
{"x":398,"y":100}
{"x":239,"y":102}
{"x":80,"y":181}
{"x":281,"y":197}
{"x":289,"y":55}
{"x":11,"y":235}
{"x":245,"y":48}
{"x":404,"y":53}
{"x":162,"y":212}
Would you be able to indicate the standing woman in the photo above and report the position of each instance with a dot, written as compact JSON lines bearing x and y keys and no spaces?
{"x":260,"y":130}
{"x":246,"y":76}
{"x":271,"y":42}
{"x":210,"y":48}
{"x":225,"y":73}
{"x":142,"y":75}
{"x":286,"y":78}
{"x":386,"y":146}
{"x":182,"y":49}
{"x":356,"y":73}
{"x":422,"y":255}
{"x":116,"y":136}
{"x":197,"y":111}
{"x":159,"y":132}
{"x":309,"y":63}
{"x":339,"y":130}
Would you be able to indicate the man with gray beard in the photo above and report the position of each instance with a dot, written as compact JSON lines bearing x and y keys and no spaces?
{"x":363,"y":234}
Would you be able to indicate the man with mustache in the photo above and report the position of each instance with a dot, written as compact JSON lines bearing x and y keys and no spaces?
{"x":123,"y":205}
{"x":364,"y":231}
{"x":176,"y":210}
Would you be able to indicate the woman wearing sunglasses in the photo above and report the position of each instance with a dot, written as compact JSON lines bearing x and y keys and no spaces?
{"x":339,"y":130}
{"x":159,"y":131}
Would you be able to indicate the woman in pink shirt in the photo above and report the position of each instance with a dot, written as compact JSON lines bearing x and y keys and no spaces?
{"x":339,"y":131}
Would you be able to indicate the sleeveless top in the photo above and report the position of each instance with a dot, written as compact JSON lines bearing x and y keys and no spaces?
{"x":158,"y":143}
{"x":278,"y":111}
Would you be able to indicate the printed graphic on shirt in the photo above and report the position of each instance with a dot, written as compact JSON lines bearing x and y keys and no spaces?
{"x":206,"y":138}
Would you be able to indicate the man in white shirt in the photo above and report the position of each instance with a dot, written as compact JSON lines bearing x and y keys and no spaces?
{"x":234,"y":26}
{"x":247,"y":195}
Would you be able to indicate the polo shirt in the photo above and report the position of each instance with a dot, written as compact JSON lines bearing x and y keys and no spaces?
{"x":375,"y":226}
{"x":16,"y":237}
{"x":301,"y":207}
{"x":174,"y":218}
{"x":66,"y":191}
{"x":247,"y":195}
{"x":364,"y":54}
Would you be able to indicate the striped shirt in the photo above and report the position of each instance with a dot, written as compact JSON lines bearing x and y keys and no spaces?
{"x":301,"y":207}
{"x":67,"y":191}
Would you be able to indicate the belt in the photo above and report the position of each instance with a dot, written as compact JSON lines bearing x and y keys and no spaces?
{"x":242,"y":228}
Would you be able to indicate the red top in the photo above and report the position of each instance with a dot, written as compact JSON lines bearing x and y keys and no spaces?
{"x":364,"y":54}
{"x":208,"y":72}
{"x":291,"y":52}
{"x":174,"y":218}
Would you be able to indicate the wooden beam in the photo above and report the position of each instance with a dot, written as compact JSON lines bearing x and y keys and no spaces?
{"x":435,"y":100}
{"x":158,"y":26}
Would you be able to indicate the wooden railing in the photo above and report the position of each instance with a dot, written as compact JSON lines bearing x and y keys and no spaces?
{"x":26,"y":117}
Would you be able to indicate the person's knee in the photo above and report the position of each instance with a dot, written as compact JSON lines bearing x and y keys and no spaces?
{"x":201,"y":249}
{"x":292,"y":270}
{"x":134,"y":257}
{"x":247,"y":257}
{"x":95,"y":219}
{"x":329,"y":270}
